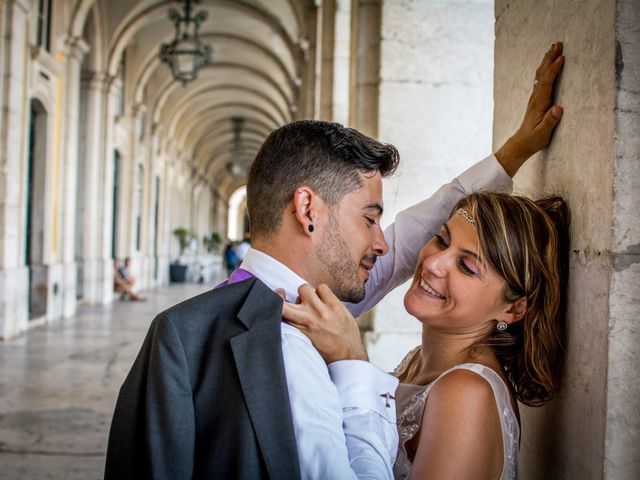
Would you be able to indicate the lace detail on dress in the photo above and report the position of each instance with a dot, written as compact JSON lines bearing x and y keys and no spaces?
{"x":411,"y":400}
{"x":405,"y":361}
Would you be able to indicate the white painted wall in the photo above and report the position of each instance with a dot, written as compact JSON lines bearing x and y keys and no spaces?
{"x":436,"y":104}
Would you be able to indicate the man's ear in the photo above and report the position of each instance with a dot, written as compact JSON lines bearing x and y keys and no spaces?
{"x":305,"y":207}
{"x":515,"y":311}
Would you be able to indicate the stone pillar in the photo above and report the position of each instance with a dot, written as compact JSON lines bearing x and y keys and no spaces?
{"x":622,"y":449}
{"x":77,"y":48}
{"x":365,"y":60}
{"x":308,"y":67}
{"x":341,"y":62}
{"x":106,"y":190}
{"x":591,"y":430}
{"x":436,"y":65}
{"x":14,"y":275}
{"x":93,"y":275}
{"x":324,"y":86}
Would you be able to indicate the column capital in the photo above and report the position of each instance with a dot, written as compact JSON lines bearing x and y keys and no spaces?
{"x":76,"y":48}
{"x":95,"y":80}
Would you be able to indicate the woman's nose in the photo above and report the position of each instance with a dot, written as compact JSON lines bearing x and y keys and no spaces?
{"x":437,"y":263}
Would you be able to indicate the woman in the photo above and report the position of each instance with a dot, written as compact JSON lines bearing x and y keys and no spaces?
{"x":487,"y":290}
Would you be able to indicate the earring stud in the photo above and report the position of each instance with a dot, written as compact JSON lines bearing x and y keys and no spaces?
{"x":310,"y":227}
{"x":502,"y":326}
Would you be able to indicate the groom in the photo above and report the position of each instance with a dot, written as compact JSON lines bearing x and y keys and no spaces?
{"x":222,"y":388}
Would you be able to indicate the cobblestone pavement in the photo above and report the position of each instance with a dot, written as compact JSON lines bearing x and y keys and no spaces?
{"x":59,"y":383}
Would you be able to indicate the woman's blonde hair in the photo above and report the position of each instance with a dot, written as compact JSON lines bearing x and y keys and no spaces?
{"x":526,"y":242}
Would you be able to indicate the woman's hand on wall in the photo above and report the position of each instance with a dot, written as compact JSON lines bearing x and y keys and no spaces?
{"x":540,"y":117}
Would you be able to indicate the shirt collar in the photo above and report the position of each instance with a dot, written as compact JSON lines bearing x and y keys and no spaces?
{"x":272,"y":273}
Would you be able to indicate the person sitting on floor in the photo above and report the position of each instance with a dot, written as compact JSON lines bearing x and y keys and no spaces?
{"x":123,"y":281}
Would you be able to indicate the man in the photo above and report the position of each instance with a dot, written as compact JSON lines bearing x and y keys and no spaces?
{"x":223,"y":389}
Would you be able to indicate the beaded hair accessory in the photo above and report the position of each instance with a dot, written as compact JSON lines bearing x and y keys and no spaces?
{"x":467,"y":216}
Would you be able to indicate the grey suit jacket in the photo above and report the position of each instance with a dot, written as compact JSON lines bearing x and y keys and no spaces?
{"x":207,"y":395}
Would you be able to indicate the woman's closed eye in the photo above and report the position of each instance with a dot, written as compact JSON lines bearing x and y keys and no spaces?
{"x":440,"y":239}
{"x":467,"y":268}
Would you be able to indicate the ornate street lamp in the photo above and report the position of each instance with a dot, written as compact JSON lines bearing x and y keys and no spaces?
{"x":186,"y":54}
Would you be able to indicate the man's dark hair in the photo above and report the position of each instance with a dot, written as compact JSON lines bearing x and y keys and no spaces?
{"x":323,"y":155}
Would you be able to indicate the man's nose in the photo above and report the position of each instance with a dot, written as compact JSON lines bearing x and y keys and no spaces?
{"x":380,"y":246}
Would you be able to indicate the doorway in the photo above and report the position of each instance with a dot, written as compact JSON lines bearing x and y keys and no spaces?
{"x":36,"y":174}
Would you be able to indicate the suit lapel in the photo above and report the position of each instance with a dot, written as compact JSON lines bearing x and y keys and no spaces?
{"x":258,"y":357}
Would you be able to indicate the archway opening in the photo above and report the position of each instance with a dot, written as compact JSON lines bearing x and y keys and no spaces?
{"x":36,"y":174}
{"x":238,"y":219}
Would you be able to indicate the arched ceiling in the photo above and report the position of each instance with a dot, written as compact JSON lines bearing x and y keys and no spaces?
{"x":257,"y":69}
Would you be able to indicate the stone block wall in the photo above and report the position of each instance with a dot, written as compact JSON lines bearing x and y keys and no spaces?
{"x":591,"y":429}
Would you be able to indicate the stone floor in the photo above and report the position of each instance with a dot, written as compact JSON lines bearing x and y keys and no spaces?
{"x":59,"y":383}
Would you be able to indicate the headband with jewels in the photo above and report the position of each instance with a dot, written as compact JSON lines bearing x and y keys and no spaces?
{"x":466,"y":215}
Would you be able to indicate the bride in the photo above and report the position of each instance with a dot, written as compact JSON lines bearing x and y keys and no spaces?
{"x":487,"y":290}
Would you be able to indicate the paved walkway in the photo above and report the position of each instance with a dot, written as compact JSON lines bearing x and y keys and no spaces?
{"x":59,"y":384}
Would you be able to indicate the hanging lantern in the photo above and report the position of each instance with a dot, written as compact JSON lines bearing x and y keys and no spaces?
{"x":186,"y":54}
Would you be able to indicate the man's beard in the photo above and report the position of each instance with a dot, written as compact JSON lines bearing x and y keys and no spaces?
{"x":343,"y":269}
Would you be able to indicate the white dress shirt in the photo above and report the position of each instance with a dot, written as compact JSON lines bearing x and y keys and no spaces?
{"x":342,"y":425}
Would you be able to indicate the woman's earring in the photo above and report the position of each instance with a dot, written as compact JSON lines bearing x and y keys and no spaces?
{"x":502,"y":326}
{"x":310,"y":227}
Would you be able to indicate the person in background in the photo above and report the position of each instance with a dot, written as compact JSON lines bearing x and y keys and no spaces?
{"x":242,"y":248}
{"x":230,"y":258}
{"x":123,"y":281}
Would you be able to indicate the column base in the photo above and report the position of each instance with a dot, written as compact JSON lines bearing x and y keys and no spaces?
{"x":14,"y":302}
{"x":69,"y":290}
{"x":97,"y":281}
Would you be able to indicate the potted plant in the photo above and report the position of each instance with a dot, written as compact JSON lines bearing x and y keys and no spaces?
{"x":212,"y":241}
{"x":177,"y":271}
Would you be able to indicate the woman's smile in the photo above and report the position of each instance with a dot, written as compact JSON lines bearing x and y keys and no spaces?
{"x":430,"y":290}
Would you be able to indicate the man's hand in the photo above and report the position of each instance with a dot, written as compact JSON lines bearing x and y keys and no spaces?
{"x":327,"y":322}
{"x":540,"y":117}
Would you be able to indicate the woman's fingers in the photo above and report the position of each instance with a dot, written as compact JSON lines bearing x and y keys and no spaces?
{"x":327,"y":323}
{"x":545,"y":78}
{"x":309,"y":309}
{"x":550,"y":120}
{"x":295,"y":314}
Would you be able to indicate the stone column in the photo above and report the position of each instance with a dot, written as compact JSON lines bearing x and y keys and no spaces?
{"x":341,"y":62}
{"x":324,"y":86}
{"x":436,"y":64}
{"x":76,"y":49}
{"x":308,"y":67}
{"x":14,"y":275}
{"x":106,"y":191}
{"x":622,"y":449}
{"x":93,"y":278}
{"x":365,"y":79}
{"x":591,"y":430}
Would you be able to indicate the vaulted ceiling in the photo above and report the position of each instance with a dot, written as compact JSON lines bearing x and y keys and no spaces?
{"x":219,"y":120}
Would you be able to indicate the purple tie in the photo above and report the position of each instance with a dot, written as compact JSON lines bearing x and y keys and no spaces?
{"x":236,"y":276}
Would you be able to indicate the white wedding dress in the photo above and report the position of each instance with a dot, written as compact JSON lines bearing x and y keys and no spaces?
{"x":410,"y":404}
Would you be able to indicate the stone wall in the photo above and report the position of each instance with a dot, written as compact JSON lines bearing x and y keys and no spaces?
{"x":436,"y":106}
{"x":591,"y":429}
